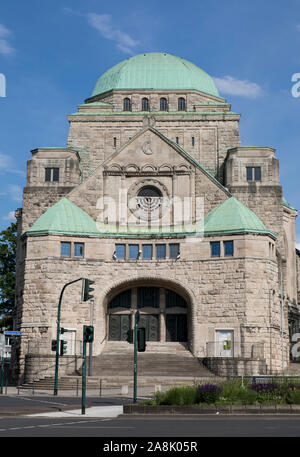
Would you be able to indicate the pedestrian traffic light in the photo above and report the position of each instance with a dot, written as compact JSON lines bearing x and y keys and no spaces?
{"x":63,"y":347}
{"x":62,"y":330}
{"x":141,"y":339}
{"x":88,"y":333}
{"x":86,"y":289}
{"x":129,"y":338}
{"x":53,"y":345}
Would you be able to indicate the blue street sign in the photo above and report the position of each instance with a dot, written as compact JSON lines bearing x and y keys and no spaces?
{"x":12,"y":333}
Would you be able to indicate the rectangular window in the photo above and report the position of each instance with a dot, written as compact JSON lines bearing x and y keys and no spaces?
{"x":51,"y":174}
{"x":193,"y":141}
{"x":120,"y":251}
{"x":147,"y":251}
{"x":160,"y":251}
{"x":78,"y":249}
{"x":174,"y":250}
{"x":228,"y":248}
{"x":133,"y":251}
{"x":115,"y":141}
{"x":177,"y":140}
{"x":65,"y":249}
{"x":253,"y":173}
{"x":215,"y":250}
{"x":257,"y":173}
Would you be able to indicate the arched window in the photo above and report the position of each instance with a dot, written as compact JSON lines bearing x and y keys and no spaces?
{"x":163,"y":104}
{"x":126,"y":104}
{"x":181,"y":104}
{"x":145,"y":104}
{"x":149,"y":191}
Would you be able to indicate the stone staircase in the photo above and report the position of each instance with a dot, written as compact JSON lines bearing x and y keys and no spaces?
{"x":163,"y":364}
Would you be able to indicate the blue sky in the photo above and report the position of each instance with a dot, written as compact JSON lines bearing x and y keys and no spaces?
{"x":52,"y":53}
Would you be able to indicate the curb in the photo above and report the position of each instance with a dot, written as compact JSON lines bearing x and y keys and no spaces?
{"x":134,"y":409}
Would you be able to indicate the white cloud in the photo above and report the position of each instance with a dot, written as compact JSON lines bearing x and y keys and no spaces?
{"x":233,"y":86}
{"x":5,"y":161}
{"x":7,"y":165}
{"x":5,"y":47}
{"x":10,"y":217}
{"x":103,"y":23}
{"x":4,"y":31}
{"x":15,"y":192}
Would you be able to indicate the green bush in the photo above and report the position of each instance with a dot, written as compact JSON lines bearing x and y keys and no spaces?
{"x":237,"y":392}
{"x":230,"y":392}
{"x":208,"y":393}
{"x":186,"y":395}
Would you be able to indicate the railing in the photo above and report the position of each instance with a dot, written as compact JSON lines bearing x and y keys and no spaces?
{"x":232,"y":348}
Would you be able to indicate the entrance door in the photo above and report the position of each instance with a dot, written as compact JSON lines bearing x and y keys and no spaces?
{"x":176,"y":327}
{"x":151,"y":324}
{"x":224,"y":343}
{"x":119,"y":324}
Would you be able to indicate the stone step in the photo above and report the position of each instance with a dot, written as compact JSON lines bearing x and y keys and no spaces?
{"x":71,"y":382}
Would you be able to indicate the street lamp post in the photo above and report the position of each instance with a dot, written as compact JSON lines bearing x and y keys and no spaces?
{"x":58,"y":333}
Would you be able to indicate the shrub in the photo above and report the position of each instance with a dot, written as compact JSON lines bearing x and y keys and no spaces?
{"x":235,"y":392}
{"x":186,"y":395}
{"x":208,"y":393}
{"x":292,"y":397}
{"x":267,"y":392}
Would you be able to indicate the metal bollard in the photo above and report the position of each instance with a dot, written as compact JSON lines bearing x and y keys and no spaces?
{"x":77,"y":387}
{"x":32,"y":387}
{"x":100,"y":393}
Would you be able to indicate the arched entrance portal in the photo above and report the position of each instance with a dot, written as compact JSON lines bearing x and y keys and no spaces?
{"x":163,"y":313}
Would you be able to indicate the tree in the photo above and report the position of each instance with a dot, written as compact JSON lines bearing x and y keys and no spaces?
{"x":8,"y":248}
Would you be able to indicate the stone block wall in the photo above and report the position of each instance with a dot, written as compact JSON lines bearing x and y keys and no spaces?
{"x":219,"y":292}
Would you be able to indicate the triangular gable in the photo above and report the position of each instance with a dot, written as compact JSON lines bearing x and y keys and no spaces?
{"x":182,"y":153}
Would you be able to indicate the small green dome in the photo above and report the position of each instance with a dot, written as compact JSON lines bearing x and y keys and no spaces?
{"x":154,"y":71}
{"x":232,"y":216}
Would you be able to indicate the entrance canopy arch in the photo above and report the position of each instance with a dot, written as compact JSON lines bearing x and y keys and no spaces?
{"x":165,"y":309}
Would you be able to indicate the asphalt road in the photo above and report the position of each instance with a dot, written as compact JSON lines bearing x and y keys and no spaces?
{"x":125,"y":426}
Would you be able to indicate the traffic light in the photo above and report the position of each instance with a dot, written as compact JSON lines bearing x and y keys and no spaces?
{"x":62,"y":330}
{"x":53,"y":345}
{"x":86,"y":289}
{"x":129,"y":338}
{"x":141,"y":339}
{"x":88,"y":333}
{"x":63,"y":347}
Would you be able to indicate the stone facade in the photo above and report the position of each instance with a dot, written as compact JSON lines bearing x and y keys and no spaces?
{"x":193,"y":154}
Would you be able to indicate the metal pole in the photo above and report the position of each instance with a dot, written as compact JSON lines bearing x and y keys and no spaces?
{"x":91,"y":344}
{"x":137,"y":315}
{"x":83,"y":379}
{"x":2,"y":373}
{"x":58,"y":333}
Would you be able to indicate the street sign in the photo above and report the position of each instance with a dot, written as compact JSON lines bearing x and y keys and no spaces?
{"x":12,"y":333}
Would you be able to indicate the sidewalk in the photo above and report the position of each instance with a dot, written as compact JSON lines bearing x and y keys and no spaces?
{"x":99,"y":411}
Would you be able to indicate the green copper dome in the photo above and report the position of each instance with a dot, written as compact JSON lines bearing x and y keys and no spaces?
{"x":64,"y":217}
{"x":232,"y":216}
{"x":154,"y":71}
